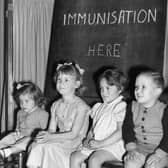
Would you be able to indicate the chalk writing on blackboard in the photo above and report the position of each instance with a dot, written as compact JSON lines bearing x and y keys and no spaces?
{"x":109,"y":50}
{"x":111,"y":17}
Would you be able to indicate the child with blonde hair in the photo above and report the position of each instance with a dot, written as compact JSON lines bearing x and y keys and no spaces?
{"x":145,"y":129}
{"x":69,"y":114}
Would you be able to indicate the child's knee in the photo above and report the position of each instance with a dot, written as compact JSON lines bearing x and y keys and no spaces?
{"x":161,"y":164}
{"x":133,"y":164}
{"x":76,"y":158}
{"x":94,"y":161}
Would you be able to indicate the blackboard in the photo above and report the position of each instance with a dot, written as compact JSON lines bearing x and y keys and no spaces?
{"x":95,"y":33}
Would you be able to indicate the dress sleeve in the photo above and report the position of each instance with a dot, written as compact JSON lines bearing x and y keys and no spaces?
{"x":43,"y":117}
{"x":119,"y":111}
{"x":54,"y":107}
{"x":18,"y":120}
{"x":128,"y":126}
{"x":94,"y":110}
{"x":164,"y":141}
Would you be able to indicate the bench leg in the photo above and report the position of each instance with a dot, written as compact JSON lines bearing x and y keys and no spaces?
{"x":21,"y":158}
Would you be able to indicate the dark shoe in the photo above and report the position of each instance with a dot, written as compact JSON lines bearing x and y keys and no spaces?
{"x":2,"y":155}
{"x":1,"y":160}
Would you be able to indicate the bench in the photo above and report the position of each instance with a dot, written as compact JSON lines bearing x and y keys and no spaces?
{"x":14,"y":161}
{"x":113,"y":164}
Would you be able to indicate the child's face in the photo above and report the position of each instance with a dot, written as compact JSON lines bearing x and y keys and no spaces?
{"x":108,"y":92}
{"x":67,"y":84}
{"x":26,"y":102}
{"x":146,"y":91}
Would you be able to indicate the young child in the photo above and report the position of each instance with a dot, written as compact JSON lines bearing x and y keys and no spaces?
{"x":145,"y":128}
{"x":104,"y":141}
{"x":30,"y":117}
{"x":70,"y":115}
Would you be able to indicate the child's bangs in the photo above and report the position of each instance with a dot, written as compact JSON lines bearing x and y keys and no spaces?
{"x":28,"y":92}
{"x":67,"y":70}
{"x":114,"y":83}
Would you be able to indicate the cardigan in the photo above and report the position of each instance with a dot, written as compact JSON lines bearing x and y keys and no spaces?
{"x":132,"y":134}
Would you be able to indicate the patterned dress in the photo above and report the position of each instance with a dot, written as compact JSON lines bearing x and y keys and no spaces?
{"x":105,"y":117}
{"x":27,"y":123}
{"x":56,"y":154}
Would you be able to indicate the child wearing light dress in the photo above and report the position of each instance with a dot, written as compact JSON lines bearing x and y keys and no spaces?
{"x":68,"y":124}
{"x":30,"y":118}
{"x":145,"y":128}
{"x":104,"y":141}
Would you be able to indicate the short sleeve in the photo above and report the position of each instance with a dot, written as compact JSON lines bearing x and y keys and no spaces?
{"x":43,"y":117}
{"x":19,"y":114}
{"x":82,"y":106}
{"x":54,"y":106}
{"x":119,"y":111}
{"x":94,"y":110}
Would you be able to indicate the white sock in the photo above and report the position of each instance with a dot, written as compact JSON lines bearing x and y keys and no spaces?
{"x":7,"y":152}
{"x":2,"y":153}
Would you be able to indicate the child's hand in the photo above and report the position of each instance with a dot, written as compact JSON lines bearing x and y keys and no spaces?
{"x":41,"y":133}
{"x":17,"y":132}
{"x":152,"y":161}
{"x":86,"y":142}
{"x":43,"y":137}
{"x":94,"y":144}
{"x":133,"y":155}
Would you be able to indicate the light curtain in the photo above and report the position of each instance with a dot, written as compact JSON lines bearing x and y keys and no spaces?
{"x":2,"y":77}
{"x":32,"y":20}
{"x":31,"y":36}
{"x":165,"y":66}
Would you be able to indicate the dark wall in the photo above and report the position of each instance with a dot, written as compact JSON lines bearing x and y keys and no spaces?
{"x":95,"y":33}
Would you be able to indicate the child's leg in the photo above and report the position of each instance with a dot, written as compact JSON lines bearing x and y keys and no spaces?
{"x":13,"y":150}
{"x":162,"y":164}
{"x":8,"y":140}
{"x":6,"y":152}
{"x":77,"y":159}
{"x":99,"y":157}
{"x":19,"y":146}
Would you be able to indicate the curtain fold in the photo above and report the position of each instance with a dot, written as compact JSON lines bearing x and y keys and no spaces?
{"x":30,"y":40}
{"x":2,"y":86}
{"x":165,"y":66}
{"x":31,"y":36}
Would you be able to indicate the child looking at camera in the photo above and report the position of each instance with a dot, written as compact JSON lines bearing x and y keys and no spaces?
{"x":104,"y":141}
